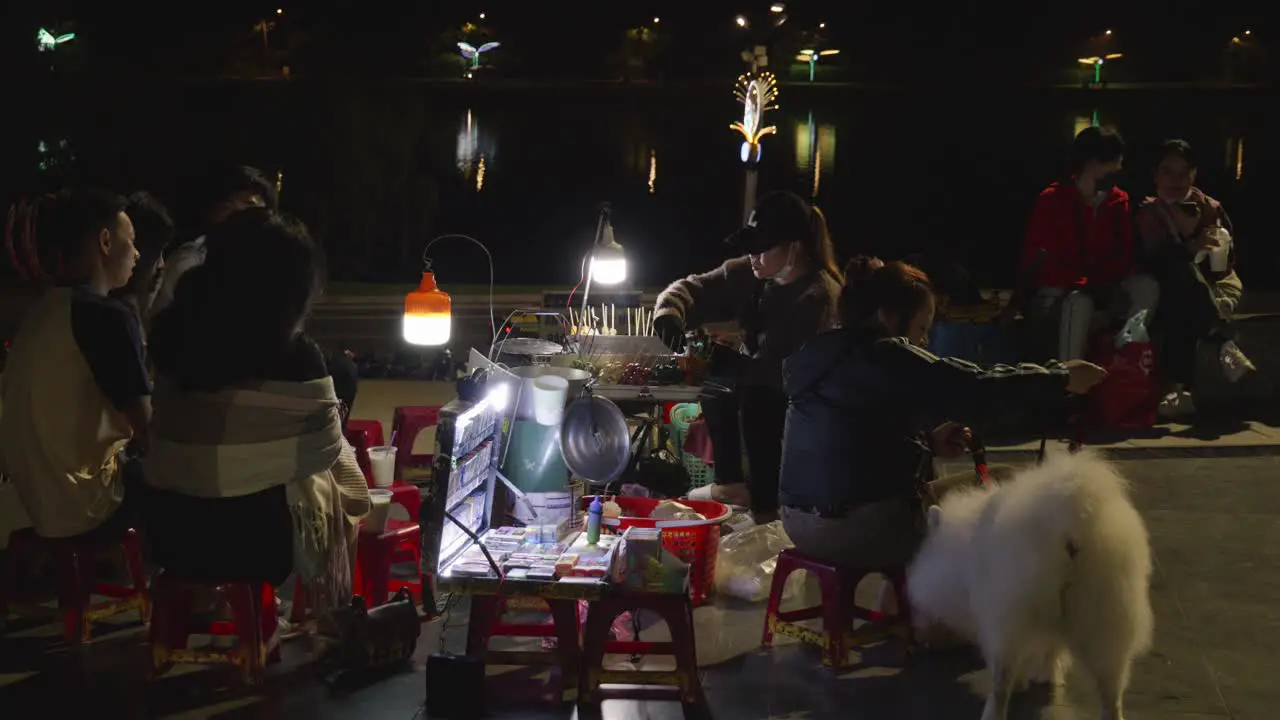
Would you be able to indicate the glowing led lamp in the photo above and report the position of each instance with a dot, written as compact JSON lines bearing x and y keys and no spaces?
{"x":428,"y":314}
{"x":473,"y":53}
{"x":608,"y":264}
{"x":46,"y":41}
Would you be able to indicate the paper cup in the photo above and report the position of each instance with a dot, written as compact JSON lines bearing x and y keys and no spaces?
{"x":376,"y":521}
{"x":383,"y":460}
{"x":549,"y":395}
{"x":1220,"y":256}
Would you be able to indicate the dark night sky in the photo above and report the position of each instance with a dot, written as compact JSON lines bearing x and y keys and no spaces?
{"x":922,"y":43}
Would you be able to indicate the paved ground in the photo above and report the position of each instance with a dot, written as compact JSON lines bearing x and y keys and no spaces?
{"x":1213,"y":523}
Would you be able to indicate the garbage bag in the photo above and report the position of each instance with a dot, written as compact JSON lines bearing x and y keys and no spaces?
{"x":746,"y":561}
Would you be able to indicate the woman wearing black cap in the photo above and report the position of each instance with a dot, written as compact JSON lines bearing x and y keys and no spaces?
{"x":781,"y":291}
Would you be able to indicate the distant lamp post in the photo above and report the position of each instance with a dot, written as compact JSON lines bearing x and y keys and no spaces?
{"x":1098,"y":62}
{"x":741,"y":21}
{"x":473,"y":53}
{"x":656,"y":20}
{"x":48,"y":42}
{"x":777,"y":8}
{"x":811,"y":57}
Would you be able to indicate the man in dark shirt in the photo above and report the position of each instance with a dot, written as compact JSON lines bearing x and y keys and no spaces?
{"x":76,"y":390}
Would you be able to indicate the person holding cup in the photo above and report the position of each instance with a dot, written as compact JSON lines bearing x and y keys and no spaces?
{"x":1186,"y":242}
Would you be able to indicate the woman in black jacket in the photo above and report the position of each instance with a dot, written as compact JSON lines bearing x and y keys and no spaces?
{"x":857,"y":449}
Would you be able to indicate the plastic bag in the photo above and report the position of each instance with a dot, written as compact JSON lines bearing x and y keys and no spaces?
{"x":671,"y":510}
{"x":1134,"y":330}
{"x":746,"y":561}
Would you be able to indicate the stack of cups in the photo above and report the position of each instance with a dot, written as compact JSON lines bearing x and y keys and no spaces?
{"x":549,"y":395}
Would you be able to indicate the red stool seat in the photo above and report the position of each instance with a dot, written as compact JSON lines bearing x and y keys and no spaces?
{"x":364,"y":434}
{"x":486,"y":622}
{"x":838,"y":609}
{"x":677,"y":611}
{"x":407,"y":421}
{"x":76,"y":562}
{"x":400,"y":542}
{"x":252,"y":625}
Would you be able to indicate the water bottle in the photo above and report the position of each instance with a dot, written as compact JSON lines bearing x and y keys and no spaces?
{"x":594,"y":511}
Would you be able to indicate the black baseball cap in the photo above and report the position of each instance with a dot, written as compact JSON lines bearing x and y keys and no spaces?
{"x":779,"y":218}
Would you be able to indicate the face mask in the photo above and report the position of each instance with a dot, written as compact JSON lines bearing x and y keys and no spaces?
{"x":1105,"y":183}
{"x":1174,"y":200}
{"x":785,"y":270}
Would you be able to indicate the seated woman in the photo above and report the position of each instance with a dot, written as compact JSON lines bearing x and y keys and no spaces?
{"x":857,"y":452}
{"x":251,"y":478}
{"x":1177,"y":236}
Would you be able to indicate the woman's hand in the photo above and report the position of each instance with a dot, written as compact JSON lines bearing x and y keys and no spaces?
{"x":1203,"y":242}
{"x":950,"y":439}
{"x":1082,"y":376}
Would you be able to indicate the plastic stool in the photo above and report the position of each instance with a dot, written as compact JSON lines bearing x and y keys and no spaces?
{"x":253,"y":625}
{"x":838,"y":610}
{"x":364,"y":434}
{"x":677,"y":611}
{"x":76,"y":562}
{"x":401,"y":541}
{"x":406,"y":423}
{"x":486,"y":622}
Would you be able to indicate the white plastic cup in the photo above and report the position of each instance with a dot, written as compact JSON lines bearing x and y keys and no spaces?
{"x":383,"y":460}
{"x":1219,"y":257}
{"x":376,"y":521}
{"x":549,"y":395}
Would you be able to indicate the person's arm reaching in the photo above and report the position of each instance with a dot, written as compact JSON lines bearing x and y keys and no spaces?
{"x":182,"y":259}
{"x":959,"y":390}
{"x":715,"y":296}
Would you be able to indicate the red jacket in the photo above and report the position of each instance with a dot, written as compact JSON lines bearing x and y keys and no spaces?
{"x":1081,"y":244}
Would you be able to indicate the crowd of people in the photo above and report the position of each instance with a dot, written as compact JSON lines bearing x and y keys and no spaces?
{"x":837,"y":406}
{"x":232,"y":460}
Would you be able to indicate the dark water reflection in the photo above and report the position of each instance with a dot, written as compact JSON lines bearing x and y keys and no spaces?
{"x":377,"y":173}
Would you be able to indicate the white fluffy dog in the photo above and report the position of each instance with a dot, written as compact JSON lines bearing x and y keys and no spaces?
{"x":1054,"y":566}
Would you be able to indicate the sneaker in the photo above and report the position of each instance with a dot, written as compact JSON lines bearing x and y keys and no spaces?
{"x":1176,"y":404}
{"x":1234,"y":362}
{"x":735,"y":494}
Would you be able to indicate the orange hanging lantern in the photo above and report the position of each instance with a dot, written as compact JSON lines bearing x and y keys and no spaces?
{"x":428,"y":314}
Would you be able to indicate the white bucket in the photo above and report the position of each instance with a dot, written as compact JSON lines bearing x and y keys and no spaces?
{"x":549,"y":394}
{"x":376,"y":521}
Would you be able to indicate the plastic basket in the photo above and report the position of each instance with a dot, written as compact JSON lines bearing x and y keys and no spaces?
{"x":695,"y":542}
{"x":682,"y":415}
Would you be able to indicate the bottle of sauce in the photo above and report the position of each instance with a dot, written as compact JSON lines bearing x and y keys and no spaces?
{"x":594,"y":511}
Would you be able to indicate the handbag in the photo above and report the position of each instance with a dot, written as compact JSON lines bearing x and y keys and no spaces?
{"x":1130,"y":395}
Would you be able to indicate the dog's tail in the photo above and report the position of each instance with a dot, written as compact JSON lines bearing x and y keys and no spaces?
{"x":1107,"y":597}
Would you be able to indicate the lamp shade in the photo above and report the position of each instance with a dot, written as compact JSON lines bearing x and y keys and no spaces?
{"x":428,"y":314}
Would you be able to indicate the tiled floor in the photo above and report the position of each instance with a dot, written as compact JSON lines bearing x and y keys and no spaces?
{"x":1214,"y":528}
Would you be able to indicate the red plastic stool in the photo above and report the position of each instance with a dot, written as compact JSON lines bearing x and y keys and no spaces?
{"x":406,"y":423}
{"x":76,"y":566}
{"x":838,"y":609}
{"x":364,"y":434}
{"x":400,"y":542}
{"x":253,"y":625}
{"x":677,"y":611}
{"x":486,"y":622}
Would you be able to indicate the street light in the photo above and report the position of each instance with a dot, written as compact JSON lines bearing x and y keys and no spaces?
{"x":1097,"y":63}
{"x":811,"y":57}
{"x":657,"y":20}
{"x":822,"y":26}
{"x":741,"y":21}
{"x":1107,"y":32}
{"x":481,"y":16}
{"x":46,"y":42}
{"x":473,"y":53}
{"x":777,"y":8}
{"x":279,"y":11}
